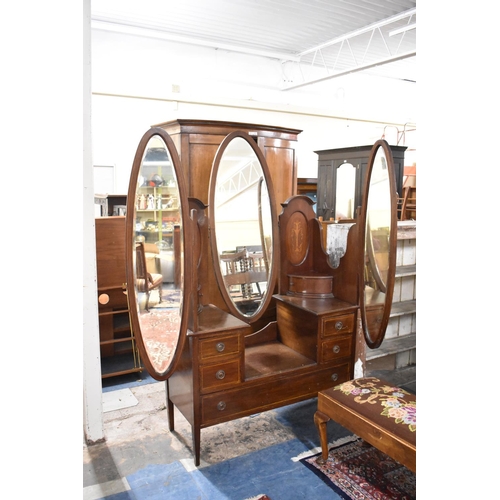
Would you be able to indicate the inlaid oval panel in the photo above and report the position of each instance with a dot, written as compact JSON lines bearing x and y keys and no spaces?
{"x":297,"y":238}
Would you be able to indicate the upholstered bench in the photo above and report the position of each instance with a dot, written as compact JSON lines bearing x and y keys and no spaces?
{"x":381,"y":414}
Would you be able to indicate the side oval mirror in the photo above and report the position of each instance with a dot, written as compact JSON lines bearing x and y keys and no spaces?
{"x":157,"y":230}
{"x":379,"y":239}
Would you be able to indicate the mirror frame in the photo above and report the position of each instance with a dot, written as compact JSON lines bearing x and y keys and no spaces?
{"x":273,"y":276}
{"x":130,"y":245}
{"x":374,"y":341}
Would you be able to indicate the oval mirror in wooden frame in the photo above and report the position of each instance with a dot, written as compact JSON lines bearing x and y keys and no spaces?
{"x":379,"y":238}
{"x":243,"y":227}
{"x":156,"y":231}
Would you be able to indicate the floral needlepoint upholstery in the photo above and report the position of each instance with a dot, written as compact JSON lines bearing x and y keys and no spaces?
{"x":391,"y":407}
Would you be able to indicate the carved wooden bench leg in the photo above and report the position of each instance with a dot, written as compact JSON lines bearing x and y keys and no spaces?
{"x":320,"y":420}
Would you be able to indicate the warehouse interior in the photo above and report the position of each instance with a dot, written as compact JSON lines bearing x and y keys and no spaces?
{"x":117,"y":93}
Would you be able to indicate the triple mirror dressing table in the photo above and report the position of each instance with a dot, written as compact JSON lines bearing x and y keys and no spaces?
{"x":258,"y":317}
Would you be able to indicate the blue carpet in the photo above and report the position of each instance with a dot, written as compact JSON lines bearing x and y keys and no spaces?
{"x":270,"y":471}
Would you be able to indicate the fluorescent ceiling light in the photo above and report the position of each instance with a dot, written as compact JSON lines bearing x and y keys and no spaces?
{"x":403,"y":29}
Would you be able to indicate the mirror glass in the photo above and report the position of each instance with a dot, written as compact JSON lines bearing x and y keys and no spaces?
{"x":346,"y":189}
{"x":379,"y":248}
{"x":155,"y":260}
{"x":241,"y":214}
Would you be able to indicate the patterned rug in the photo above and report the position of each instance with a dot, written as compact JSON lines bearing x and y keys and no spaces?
{"x":357,"y":471}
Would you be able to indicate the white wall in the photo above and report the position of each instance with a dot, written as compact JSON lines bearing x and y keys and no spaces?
{"x":133,"y":79}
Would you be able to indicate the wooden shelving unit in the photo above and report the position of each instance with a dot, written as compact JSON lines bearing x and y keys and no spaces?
{"x":118,"y":351}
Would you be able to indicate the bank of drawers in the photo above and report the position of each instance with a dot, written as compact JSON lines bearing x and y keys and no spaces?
{"x":336,"y":337}
{"x":220,"y":362}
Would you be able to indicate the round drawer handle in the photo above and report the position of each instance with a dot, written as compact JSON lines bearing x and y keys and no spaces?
{"x":335,"y":377}
{"x":339,"y":325}
{"x":220,"y":346}
{"x":221,"y":405}
{"x":103,"y":298}
{"x":336,"y":349}
{"x":220,"y":374}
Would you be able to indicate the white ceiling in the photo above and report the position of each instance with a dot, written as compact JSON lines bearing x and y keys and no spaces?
{"x":317,"y":39}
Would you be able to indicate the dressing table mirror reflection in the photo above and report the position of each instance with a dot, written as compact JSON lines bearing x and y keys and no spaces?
{"x":155,"y":246}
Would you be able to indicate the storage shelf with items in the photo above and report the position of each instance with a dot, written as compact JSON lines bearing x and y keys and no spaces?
{"x":157,"y":207}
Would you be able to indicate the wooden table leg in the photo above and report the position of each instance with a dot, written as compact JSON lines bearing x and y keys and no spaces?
{"x":320,"y":420}
{"x":196,"y":444}
{"x":170,"y":409}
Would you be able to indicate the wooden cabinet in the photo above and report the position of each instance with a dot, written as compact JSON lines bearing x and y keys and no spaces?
{"x":308,"y":186}
{"x":197,"y":142}
{"x":118,"y":353}
{"x":347,"y":187}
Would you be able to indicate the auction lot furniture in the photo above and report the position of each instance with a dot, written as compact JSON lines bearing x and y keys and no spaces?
{"x":292,"y":333}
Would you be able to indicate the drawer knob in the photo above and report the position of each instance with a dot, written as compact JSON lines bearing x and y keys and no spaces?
{"x":220,"y":374}
{"x":335,"y":377}
{"x":221,"y":405}
{"x":339,"y":325}
{"x":220,"y":346}
{"x":336,"y":349}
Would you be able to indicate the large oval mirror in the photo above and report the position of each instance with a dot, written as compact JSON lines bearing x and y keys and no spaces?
{"x":156,"y":227}
{"x":243,"y":226}
{"x":380,"y":232}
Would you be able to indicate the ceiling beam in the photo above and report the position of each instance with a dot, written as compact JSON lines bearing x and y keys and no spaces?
{"x":362,"y":67}
{"x":137,"y":30}
{"x":362,"y":38}
{"x":365,"y":29}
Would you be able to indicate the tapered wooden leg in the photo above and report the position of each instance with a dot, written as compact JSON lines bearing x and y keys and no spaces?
{"x":196,"y":444}
{"x":170,"y":409}
{"x":320,"y":420}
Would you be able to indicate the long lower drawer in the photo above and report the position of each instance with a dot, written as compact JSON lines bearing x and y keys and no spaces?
{"x":257,"y":396}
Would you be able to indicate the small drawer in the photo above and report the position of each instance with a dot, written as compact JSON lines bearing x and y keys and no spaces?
{"x":215,"y":377}
{"x":337,"y":325}
{"x":219,"y":346}
{"x":335,"y":349}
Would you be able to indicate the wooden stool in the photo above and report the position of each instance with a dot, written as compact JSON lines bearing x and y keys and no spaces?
{"x":379,"y":413}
